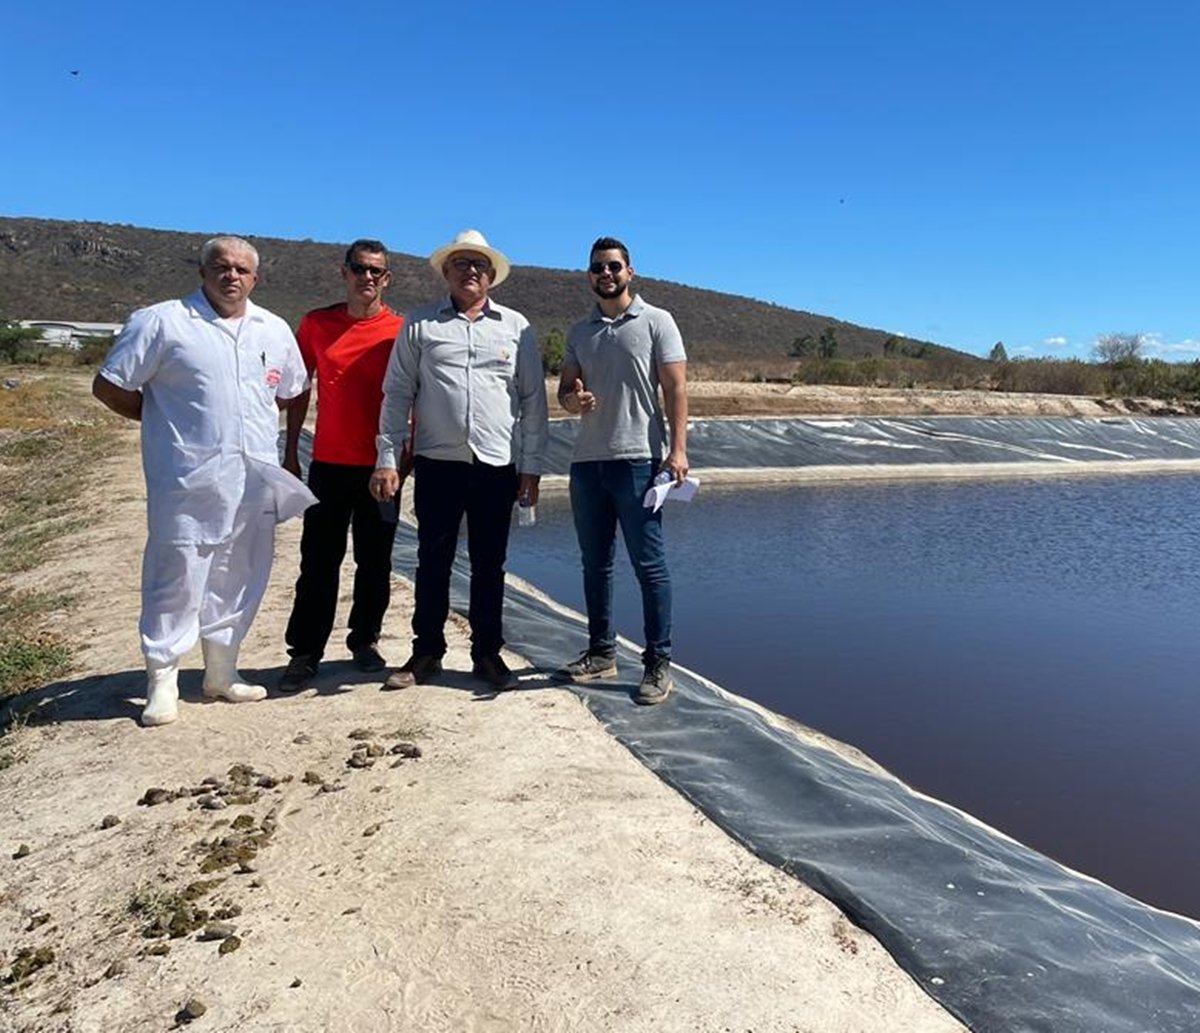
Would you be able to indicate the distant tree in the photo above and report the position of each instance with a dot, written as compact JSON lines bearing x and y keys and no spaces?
{"x":890,"y":346}
{"x":801,"y":346}
{"x":1114,"y":349}
{"x":998,"y":354}
{"x":13,"y":338}
{"x":554,"y":347}
{"x":827,"y":343}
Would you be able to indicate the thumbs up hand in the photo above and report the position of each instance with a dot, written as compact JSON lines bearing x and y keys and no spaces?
{"x":584,"y":398}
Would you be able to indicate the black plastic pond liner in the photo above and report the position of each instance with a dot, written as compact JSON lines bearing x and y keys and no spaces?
{"x":1003,"y":937}
{"x":904,"y":441}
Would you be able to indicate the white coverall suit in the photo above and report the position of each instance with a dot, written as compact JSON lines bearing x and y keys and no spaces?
{"x":214,"y":487}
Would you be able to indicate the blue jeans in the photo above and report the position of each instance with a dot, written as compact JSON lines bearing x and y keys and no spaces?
{"x":603,"y":494}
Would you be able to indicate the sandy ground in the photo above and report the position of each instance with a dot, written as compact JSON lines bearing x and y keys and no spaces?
{"x":523,"y":873}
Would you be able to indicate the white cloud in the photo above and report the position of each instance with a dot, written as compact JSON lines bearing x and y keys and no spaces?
{"x":1155,"y":347}
{"x":1055,"y":342}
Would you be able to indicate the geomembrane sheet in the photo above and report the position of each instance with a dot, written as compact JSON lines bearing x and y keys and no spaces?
{"x":1005,"y":938}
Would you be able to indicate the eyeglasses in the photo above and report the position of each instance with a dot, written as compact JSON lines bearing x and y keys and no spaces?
{"x":462,"y":264}
{"x":358,"y":269}
{"x":614,"y":267}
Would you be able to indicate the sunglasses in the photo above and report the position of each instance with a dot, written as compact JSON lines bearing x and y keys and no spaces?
{"x":358,"y":269}
{"x":614,"y":267}
{"x":463,"y":264}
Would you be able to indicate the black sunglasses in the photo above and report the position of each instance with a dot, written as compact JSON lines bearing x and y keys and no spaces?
{"x":358,"y":269}
{"x":614,"y":267}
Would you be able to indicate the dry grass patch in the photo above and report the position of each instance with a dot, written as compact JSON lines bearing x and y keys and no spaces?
{"x":51,"y":434}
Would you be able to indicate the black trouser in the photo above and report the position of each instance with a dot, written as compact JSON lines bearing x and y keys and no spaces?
{"x":344,"y":504}
{"x":444,"y":492}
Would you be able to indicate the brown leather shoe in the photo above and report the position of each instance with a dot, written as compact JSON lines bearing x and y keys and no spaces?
{"x":493,"y":670}
{"x":417,"y":671}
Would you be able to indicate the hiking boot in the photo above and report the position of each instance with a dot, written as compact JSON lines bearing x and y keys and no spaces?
{"x":417,"y":671}
{"x":369,"y":659}
{"x":590,"y":666}
{"x":299,"y":672}
{"x":493,"y":670}
{"x":656,"y":683}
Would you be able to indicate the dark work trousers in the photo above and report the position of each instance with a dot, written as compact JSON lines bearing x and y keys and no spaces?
{"x":444,"y":493}
{"x":344,"y":504}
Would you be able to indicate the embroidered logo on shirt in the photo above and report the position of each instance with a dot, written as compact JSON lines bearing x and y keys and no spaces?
{"x":273,"y":377}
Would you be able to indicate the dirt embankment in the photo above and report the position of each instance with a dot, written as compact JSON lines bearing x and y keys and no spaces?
{"x":347,"y":859}
{"x":715,"y":398}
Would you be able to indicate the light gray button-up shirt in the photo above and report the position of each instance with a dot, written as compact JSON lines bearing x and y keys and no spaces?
{"x":477,"y":388}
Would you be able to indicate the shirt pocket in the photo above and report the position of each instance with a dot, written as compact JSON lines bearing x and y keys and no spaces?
{"x":499,"y":359}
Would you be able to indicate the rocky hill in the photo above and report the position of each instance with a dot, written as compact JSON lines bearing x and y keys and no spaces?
{"x":99,"y":272}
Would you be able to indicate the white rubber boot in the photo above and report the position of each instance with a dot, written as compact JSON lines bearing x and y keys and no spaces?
{"x":221,"y":678}
{"x":162,"y":694}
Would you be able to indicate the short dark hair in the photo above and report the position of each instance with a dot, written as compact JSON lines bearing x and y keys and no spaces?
{"x":609,"y":244}
{"x":373,"y":247}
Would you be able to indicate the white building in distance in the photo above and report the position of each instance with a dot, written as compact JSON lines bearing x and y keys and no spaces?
{"x":62,"y":333}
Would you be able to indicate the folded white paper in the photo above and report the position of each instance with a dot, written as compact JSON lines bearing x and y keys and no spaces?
{"x":290,"y":494}
{"x":664,"y":489}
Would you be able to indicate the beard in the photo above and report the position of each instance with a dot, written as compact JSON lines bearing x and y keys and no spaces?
{"x":613,"y":290}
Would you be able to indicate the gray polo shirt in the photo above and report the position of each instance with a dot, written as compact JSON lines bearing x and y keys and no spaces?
{"x":620,"y":359}
{"x":477,"y":388}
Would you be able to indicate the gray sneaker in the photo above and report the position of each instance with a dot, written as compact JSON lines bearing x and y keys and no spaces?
{"x":591,"y":666}
{"x":656,"y":683}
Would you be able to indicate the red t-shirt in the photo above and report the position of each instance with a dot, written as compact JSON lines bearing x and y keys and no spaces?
{"x":349,"y":357}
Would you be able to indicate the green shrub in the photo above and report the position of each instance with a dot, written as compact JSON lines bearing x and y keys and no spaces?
{"x":554,"y":347}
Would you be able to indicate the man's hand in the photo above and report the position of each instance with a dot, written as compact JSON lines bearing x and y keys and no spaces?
{"x":527,"y":487}
{"x":577,"y":399}
{"x":291,"y":463}
{"x":585,"y":401}
{"x":384,"y":483}
{"x":676,"y":465}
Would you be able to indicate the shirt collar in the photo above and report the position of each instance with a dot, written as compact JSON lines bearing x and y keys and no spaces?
{"x":447,"y":306}
{"x":634,"y":310}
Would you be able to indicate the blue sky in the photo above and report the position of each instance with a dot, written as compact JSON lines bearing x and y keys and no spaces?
{"x":967,"y":173}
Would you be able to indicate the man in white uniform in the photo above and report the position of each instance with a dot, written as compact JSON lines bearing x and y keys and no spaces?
{"x":205,"y":375}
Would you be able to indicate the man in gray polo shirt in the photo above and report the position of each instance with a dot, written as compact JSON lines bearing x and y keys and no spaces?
{"x":471,"y":373}
{"x":616,"y":361}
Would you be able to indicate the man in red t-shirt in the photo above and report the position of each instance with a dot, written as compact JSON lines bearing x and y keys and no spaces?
{"x":346,"y":349}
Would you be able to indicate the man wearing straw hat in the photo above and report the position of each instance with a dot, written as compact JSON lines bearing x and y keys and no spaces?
{"x":471,"y":373}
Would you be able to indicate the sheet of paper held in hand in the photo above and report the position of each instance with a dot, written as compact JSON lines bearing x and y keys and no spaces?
{"x":663,"y":490}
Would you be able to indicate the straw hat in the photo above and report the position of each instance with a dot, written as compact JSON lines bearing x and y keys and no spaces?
{"x":472,"y":240}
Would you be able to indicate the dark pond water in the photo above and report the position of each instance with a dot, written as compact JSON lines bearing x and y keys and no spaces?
{"x":1027,"y":651}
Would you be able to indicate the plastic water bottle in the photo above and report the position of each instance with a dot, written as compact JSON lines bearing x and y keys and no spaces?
{"x":526,"y":511}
